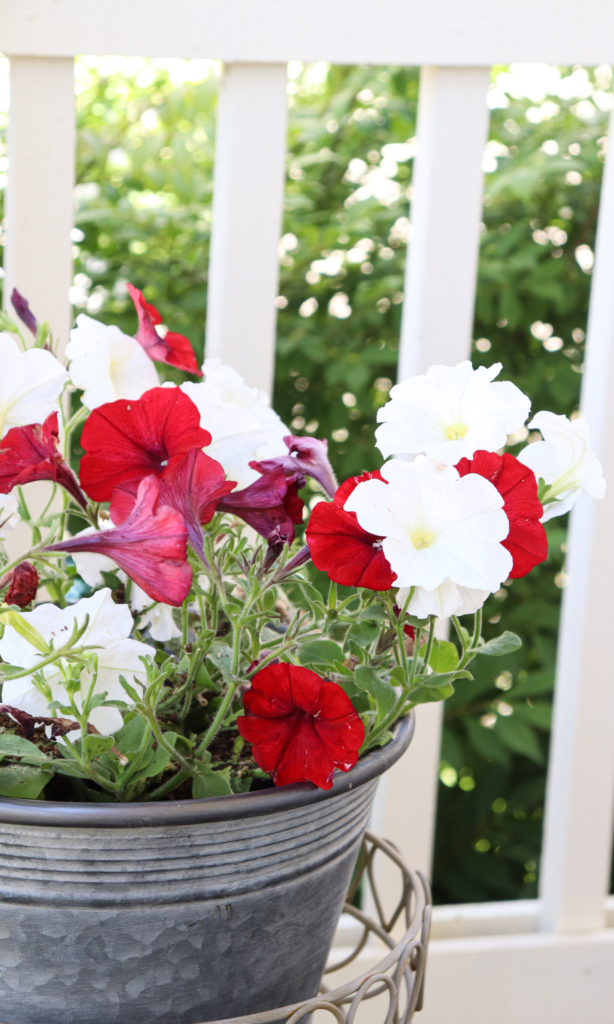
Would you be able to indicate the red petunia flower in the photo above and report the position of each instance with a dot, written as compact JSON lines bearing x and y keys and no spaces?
{"x":301,"y":727}
{"x":526,"y":542}
{"x":341,"y":548}
{"x":23,"y":584}
{"x":30,"y":453}
{"x":307,"y":456}
{"x":131,"y":439}
{"x":192,"y":484}
{"x":150,"y":546}
{"x":174,"y":349}
{"x":269,"y":505}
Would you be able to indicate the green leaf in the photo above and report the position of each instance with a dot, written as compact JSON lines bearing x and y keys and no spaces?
{"x":538,"y":714}
{"x":16,"y":746}
{"x":134,"y":696}
{"x":486,"y":742}
{"x":504,"y":644}
{"x":71,"y":768}
{"x":440,"y":679}
{"x":128,"y":739}
{"x":320,"y":652}
{"x":23,"y":783}
{"x":444,"y":656}
{"x":374,"y":613}
{"x":398,"y":676}
{"x":25,"y":630}
{"x":430,"y":694}
{"x":209,"y":783}
{"x":95,"y":746}
{"x":382,"y":692}
{"x":220,"y":655}
{"x":160,"y":760}
{"x":519,"y":737}
{"x":364,"y":632}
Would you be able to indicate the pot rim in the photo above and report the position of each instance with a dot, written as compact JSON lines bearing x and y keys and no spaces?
{"x":217,"y":808}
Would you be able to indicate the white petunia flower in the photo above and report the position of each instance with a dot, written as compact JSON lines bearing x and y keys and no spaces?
{"x":242,"y":424}
{"x":436,"y":525}
{"x":9,"y":514}
{"x":108,"y":630}
{"x":159,"y":617}
{"x":106,"y":364}
{"x":30,"y":384}
{"x":90,"y":566}
{"x":451,"y":413}
{"x":447,"y":599}
{"x":564,"y":461}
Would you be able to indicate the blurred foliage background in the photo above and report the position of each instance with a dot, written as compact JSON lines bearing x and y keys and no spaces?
{"x":143,"y":214}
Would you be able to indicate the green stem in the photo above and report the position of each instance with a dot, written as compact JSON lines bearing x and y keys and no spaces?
{"x":219,"y":718}
{"x":429,"y":645}
{"x":168,"y":786}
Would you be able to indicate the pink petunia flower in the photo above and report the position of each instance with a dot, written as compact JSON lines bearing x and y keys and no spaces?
{"x":150,"y":546}
{"x":307,"y":456}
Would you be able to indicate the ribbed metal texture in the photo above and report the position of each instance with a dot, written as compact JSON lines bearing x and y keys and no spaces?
{"x":177,"y":923}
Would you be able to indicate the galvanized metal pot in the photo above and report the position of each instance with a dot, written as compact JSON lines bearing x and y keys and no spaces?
{"x":175,"y":912}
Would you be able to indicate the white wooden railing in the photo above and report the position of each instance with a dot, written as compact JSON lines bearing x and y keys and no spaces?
{"x":535,"y":962}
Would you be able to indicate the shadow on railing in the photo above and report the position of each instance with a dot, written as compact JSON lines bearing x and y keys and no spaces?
{"x":400,"y":974}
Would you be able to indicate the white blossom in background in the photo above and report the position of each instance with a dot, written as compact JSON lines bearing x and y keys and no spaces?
{"x":90,"y":566}
{"x":564,"y":461}
{"x":107,"y":364}
{"x":9,"y":514}
{"x":447,"y":599}
{"x":108,"y":631}
{"x":451,"y":413}
{"x":242,"y":424}
{"x":30,"y":384}
{"x":436,"y":526}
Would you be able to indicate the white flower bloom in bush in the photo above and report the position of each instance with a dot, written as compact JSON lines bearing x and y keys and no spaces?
{"x":242,"y":424}
{"x":90,"y":566}
{"x":108,"y":630}
{"x":106,"y":364}
{"x":564,"y":461}
{"x":436,"y":525}
{"x":30,"y":384}
{"x":9,"y":514}
{"x":447,"y":599}
{"x":451,"y":413}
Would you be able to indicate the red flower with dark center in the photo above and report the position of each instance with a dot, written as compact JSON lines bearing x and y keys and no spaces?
{"x":30,"y":453}
{"x":174,"y":349}
{"x":131,"y":439}
{"x":269,"y":505}
{"x":526,"y":542}
{"x":150,"y":546}
{"x":307,"y":456}
{"x":23,"y":584}
{"x":301,"y":727}
{"x":341,"y":548}
{"x":193,"y":484}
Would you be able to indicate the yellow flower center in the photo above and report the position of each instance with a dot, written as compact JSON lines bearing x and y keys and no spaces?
{"x":456,"y":431}
{"x":422,"y":537}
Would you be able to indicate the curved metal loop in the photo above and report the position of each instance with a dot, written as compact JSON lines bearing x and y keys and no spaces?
{"x":400,"y":972}
{"x":384,"y":983}
{"x":319,"y":1004}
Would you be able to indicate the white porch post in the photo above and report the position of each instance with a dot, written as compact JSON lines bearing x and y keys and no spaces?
{"x":440,"y":281}
{"x":577,"y":847}
{"x":247,"y":219}
{"x":442,"y":260}
{"x":39,"y":202}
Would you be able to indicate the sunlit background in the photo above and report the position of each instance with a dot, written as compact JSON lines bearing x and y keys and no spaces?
{"x":146,"y":145}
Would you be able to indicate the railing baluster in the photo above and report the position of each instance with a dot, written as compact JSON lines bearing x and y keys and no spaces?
{"x":580,"y":796}
{"x":247,"y":217}
{"x":437,"y":326}
{"x":39,"y":203}
{"x":445,"y":215}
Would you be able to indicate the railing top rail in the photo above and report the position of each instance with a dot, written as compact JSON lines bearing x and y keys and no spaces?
{"x":406,"y":32}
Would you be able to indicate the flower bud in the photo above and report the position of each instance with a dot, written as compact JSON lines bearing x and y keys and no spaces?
{"x":23,"y":585}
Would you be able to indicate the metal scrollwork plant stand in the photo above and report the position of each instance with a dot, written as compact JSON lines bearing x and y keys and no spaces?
{"x":400,"y":974}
